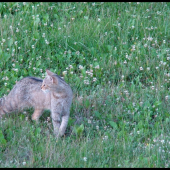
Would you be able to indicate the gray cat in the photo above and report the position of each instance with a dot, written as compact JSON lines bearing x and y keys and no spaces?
{"x":52,"y":93}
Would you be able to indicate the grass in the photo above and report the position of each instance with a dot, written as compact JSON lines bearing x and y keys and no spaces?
{"x":116,"y":58}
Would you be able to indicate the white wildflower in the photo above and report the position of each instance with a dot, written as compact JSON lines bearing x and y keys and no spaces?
{"x":24,"y":163}
{"x":85,"y":159}
{"x":97,"y":67}
{"x":141,"y":68}
{"x":81,"y":67}
{"x":64,"y":73}
{"x":43,"y":35}
{"x":97,"y":127}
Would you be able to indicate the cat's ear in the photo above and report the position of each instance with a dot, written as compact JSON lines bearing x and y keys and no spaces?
{"x":51,"y":79}
{"x":49,"y":72}
{"x":54,"y":79}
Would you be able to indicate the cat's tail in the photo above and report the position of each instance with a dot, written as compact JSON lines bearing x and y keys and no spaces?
{"x":3,"y":108}
{"x":7,"y":105}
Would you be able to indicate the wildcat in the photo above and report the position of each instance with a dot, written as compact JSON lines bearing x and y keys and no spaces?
{"x":61,"y":98}
{"x":52,"y":93}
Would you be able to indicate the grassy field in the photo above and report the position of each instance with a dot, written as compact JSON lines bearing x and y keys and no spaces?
{"x":116,"y":58}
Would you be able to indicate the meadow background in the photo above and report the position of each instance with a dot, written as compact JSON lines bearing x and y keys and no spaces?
{"x":116,"y":58}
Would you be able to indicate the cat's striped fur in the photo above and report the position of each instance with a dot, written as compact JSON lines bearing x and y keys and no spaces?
{"x":26,"y":93}
{"x":29,"y":92}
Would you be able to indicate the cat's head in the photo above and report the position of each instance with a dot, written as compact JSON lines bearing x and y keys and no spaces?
{"x":49,"y":82}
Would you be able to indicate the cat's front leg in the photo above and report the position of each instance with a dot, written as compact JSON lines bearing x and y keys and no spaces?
{"x":64,"y":123}
{"x":56,"y":122}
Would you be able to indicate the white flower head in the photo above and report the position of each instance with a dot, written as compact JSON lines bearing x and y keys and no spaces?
{"x":97,"y":67}
{"x":141,"y":68}
{"x":64,"y":73}
{"x":43,"y":35}
{"x":24,"y":163}
{"x":166,"y":97}
{"x":81,"y":67}
{"x":85,"y":159}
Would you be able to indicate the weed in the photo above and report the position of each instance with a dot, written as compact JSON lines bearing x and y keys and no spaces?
{"x":115,"y":56}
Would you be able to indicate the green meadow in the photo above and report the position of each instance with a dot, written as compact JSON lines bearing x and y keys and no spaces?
{"x":116,"y":58}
